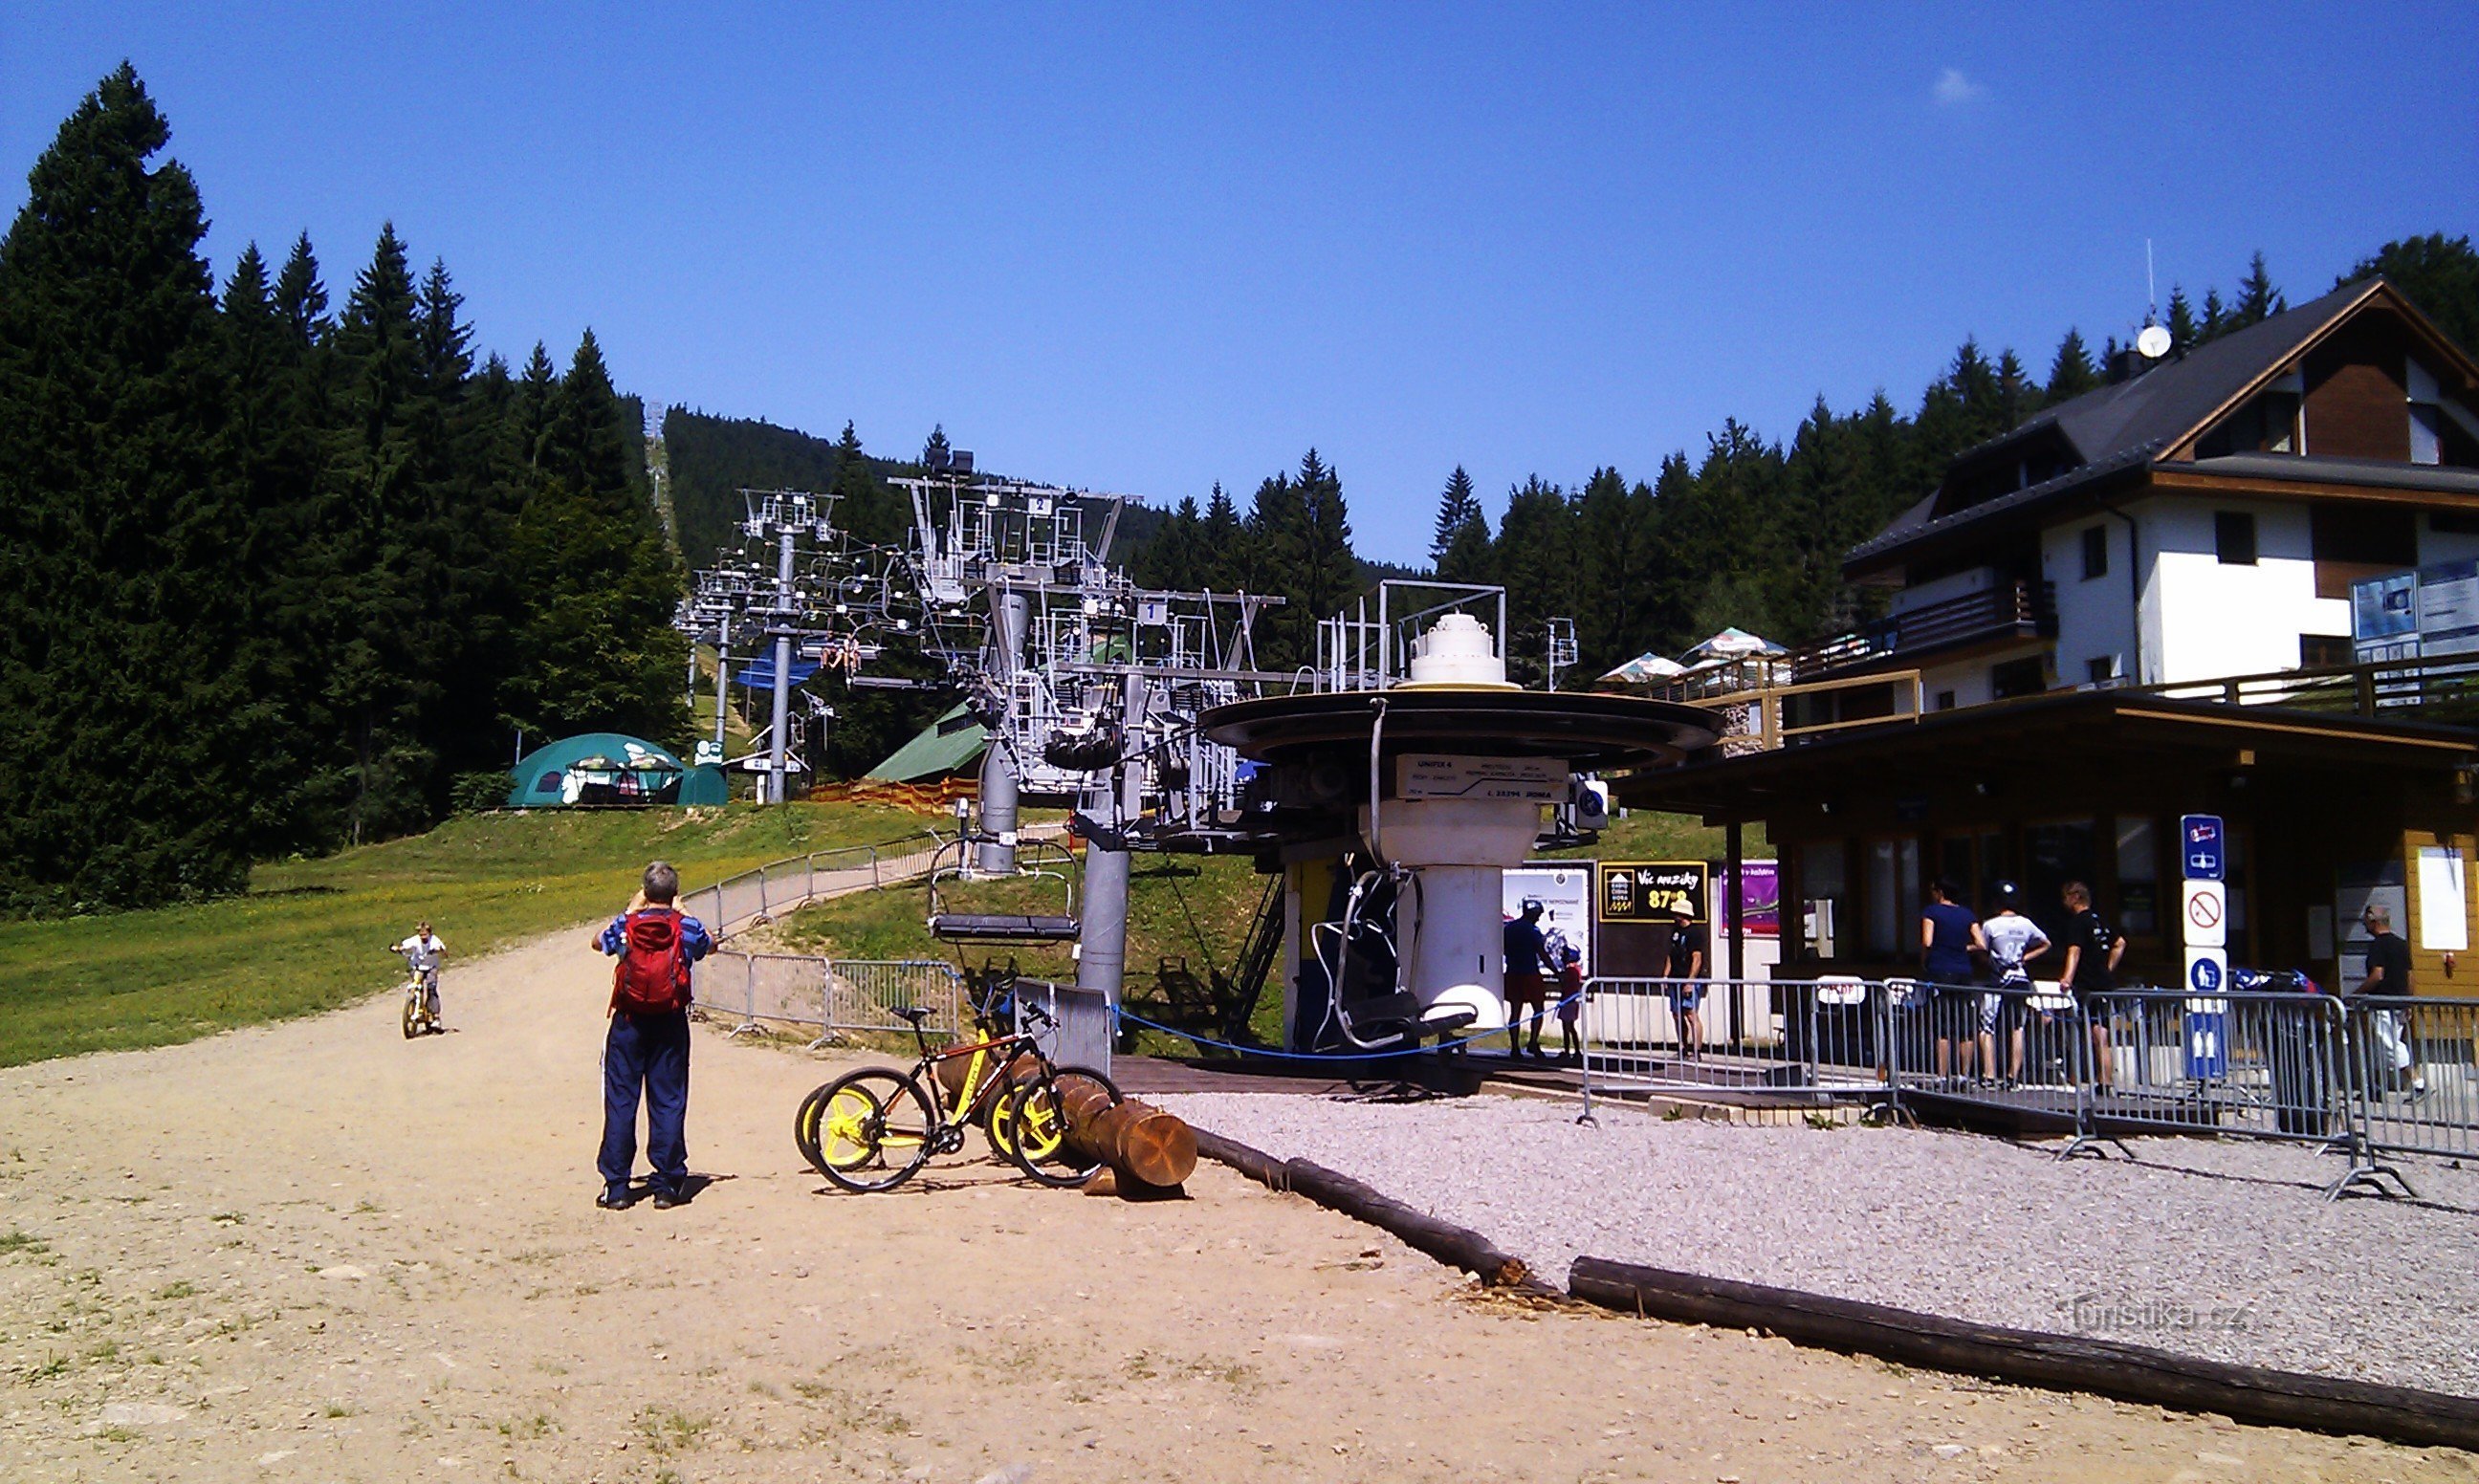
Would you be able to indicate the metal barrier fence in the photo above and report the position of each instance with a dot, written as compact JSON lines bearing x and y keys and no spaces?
{"x":1086,"y":1023}
{"x":2361,"y":1078}
{"x":1811,"y":1040}
{"x":736,"y":902}
{"x":2412,"y":1074}
{"x":756,"y":991}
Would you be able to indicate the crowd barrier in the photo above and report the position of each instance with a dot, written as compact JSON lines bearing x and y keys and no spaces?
{"x":755,"y":991}
{"x":2363,"y":1078}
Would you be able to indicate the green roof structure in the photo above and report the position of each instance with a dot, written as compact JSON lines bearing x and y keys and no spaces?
{"x":596,"y":769}
{"x":946,"y":746}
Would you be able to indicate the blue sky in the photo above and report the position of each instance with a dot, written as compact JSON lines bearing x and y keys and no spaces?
{"x":1146,"y":248}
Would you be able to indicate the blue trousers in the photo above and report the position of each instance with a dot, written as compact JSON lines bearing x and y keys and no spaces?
{"x":647,"y":1054}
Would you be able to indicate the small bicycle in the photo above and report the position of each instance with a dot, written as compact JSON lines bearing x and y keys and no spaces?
{"x":872,"y":1129}
{"x":420,"y":986}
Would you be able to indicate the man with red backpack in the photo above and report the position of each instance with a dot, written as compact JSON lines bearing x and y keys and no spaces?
{"x":646,"y":1049}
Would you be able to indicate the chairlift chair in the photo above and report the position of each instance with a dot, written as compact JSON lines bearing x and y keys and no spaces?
{"x":1002,"y":929}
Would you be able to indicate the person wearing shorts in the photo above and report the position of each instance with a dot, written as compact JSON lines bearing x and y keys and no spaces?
{"x":1688,"y":947}
{"x":1571,"y":996}
{"x":2013,"y":941}
{"x":1528,"y":992}
{"x":2093,"y":949}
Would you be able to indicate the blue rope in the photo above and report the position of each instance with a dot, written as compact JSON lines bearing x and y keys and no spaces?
{"x":1536,"y":1017}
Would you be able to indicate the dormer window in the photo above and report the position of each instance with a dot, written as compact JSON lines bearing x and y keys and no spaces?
{"x":2268,"y":423}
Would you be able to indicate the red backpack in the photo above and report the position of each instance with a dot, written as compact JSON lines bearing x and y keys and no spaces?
{"x":652,"y":975}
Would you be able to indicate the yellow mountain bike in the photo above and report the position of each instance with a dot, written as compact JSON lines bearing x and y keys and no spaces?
{"x":872,"y":1129}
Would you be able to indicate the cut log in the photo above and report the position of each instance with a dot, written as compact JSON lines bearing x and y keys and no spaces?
{"x":1443,"y":1241}
{"x":1137,"y":1139}
{"x":2029,"y":1358}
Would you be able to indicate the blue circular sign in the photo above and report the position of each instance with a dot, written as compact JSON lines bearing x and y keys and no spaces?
{"x":2204,"y":977}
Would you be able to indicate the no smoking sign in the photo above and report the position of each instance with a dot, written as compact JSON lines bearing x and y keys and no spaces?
{"x":2207,"y":913}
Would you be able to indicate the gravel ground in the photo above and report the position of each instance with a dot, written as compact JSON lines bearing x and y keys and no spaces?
{"x":2225,"y":1250}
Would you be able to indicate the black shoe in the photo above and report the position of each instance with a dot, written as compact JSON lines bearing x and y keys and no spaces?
{"x":665,"y":1200}
{"x":615,"y":1200}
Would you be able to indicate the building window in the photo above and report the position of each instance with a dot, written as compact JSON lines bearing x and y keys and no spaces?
{"x":1893,"y":895}
{"x":1945,"y":700}
{"x":2138,"y":878}
{"x":1826,"y":894}
{"x":2234,"y":538}
{"x":2095,"y":552}
{"x":2100,"y":669}
{"x":2453,"y":523}
{"x":2352,"y":543}
{"x":2326,"y":652}
{"x":2025,"y":677}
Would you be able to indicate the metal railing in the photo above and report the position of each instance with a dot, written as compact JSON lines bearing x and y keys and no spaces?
{"x":2018,"y":609}
{"x":1802,"y":1040}
{"x":833,"y":996}
{"x":757,"y":896}
{"x":2363,"y":1078}
{"x":2412,"y":1074}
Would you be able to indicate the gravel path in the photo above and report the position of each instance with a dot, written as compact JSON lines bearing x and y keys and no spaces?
{"x":2225,"y":1250}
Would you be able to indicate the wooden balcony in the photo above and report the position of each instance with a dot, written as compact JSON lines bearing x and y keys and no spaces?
{"x":2005,"y":614}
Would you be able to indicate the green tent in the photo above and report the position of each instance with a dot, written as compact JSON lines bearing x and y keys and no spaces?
{"x":944,"y":749}
{"x":597,"y":769}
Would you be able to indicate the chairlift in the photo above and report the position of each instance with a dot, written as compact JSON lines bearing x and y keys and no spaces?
{"x":1035,"y":860}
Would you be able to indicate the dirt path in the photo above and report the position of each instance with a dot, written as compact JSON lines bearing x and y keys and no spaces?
{"x":314,"y":1251}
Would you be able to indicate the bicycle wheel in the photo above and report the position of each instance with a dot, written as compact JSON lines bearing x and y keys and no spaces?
{"x":1038,"y":1114}
{"x":412,"y":1014}
{"x":805,"y":1126}
{"x":874,"y":1128}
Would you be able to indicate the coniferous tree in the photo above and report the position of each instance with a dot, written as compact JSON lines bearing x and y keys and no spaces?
{"x":2071,"y":372}
{"x":2438,"y":273}
{"x":2258,"y":299}
{"x":1457,"y":507}
{"x":1222,"y":564}
{"x":126,"y":703}
{"x":2183,"y":328}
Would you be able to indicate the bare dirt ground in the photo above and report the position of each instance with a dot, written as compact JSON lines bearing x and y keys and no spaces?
{"x":316,"y":1252}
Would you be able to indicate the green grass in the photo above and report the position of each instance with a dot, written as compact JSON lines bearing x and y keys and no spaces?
{"x":1644,"y":835}
{"x":311,"y":934}
{"x":1178,"y":905}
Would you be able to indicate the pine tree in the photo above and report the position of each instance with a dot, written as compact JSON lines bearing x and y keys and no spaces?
{"x":935,"y":448}
{"x":125,"y":680}
{"x":2071,"y":372}
{"x":1457,"y":507}
{"x":2215,"y":322}
{"x":2183,"y":328}
{"x":2258,"y":299}
{"x":1223,"y":561}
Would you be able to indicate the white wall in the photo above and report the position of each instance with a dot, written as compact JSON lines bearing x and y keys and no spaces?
{"x":2095,"y":617}
{"x":2204,"y":620}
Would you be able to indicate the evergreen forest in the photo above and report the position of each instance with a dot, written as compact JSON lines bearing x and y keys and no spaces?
{"x":279,"y":567}
{"x":283,"y":569}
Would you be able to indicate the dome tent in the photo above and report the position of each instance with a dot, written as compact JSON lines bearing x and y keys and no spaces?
{"x":599,"y":769}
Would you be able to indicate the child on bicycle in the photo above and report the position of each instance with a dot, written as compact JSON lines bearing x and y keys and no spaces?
{"x":421,"y":954}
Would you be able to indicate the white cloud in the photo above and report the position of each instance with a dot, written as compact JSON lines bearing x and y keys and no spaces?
{"x":1954,"y":89}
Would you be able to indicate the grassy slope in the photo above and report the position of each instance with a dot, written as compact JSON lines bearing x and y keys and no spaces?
{"x":1177,"y":906}
{"x":308,"y":937}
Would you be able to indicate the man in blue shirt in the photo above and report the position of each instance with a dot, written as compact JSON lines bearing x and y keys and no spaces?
{"x":646,"y":1049}
{"x":1527,"y":956}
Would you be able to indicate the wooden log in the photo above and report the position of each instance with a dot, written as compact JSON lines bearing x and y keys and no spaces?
{"x":2106,"y":1368}
{"x":1448,"y":1243}
{"x":1254,"y":1163}
{"x":1135,"y":1139}
{"x":951,"y":1073}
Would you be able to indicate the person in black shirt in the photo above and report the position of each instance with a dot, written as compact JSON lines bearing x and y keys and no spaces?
{"x":2092,"y":950}
{"x":2389,"y":975}
{"x":1689,"y":946}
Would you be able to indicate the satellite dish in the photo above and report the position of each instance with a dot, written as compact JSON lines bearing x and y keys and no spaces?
{"x":2152,"y":343}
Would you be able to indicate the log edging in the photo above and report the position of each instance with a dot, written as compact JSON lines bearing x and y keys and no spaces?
{"x":2108,"y":1367}
{"x":1459,"y":1246}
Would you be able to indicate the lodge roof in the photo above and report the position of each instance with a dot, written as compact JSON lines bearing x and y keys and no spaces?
{"x":1946,"y":748}
{"x":2116,"y":432}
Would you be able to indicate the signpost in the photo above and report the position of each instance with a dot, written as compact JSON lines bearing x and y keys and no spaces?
{"x":2204,"y":924}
